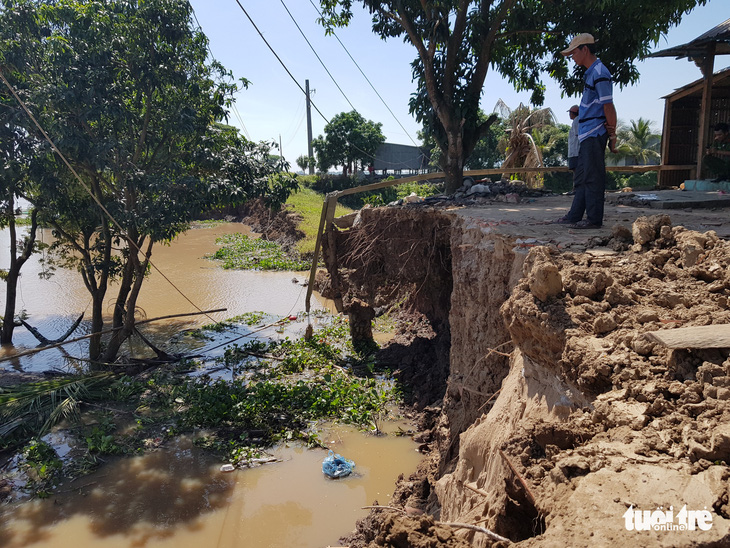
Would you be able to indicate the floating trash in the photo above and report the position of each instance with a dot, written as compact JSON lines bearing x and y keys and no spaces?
{"x":336,"y":466}
{"x":227,"y":468}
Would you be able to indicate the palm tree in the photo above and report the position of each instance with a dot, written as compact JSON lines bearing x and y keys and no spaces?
{"x":638,"y":144}
{"x":520,"y":147}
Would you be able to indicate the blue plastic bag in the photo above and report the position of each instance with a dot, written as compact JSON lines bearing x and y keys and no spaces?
{"x":336,"y":466}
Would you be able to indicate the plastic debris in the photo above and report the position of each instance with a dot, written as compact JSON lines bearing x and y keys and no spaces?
{"x":336,"y":466}
{"x":227,"y":468}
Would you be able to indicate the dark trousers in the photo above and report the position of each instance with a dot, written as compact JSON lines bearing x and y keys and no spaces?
{"x":718,"y":166}
{"x":590,"y":181}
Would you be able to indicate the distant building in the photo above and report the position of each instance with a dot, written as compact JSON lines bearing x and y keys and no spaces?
{"x":392,"y":159}
{"x":691,"y":111}
{"x":682,"y":124}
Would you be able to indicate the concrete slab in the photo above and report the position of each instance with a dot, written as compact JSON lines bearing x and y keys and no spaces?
{"x":672,"y":199}
{"x":531,"y":221}
{"x":706,"y":186}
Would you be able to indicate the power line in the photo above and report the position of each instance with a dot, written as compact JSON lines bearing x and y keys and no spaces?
{"x":367,"y":79}
{"x":233,"y":105}
{"x":279,"y":59}
{"x":316,"y":55}
{"x":365,"y":153}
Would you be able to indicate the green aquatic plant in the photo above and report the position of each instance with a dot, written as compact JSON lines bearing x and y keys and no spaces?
{"x":238,"y":251}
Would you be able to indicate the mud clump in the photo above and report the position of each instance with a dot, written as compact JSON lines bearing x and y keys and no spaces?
{"x":642,"y":426}
{"x":595,"y":416}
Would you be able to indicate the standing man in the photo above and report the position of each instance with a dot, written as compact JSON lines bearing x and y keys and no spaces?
{"x":597,"y":126}
{"x":573,"y":143}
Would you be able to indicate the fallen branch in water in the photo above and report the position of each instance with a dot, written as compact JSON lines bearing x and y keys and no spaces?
{"x":103,"y":332}
{"x":43,"y":340}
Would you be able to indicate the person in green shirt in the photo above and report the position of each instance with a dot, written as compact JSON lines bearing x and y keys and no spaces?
{"x":717,"y":159}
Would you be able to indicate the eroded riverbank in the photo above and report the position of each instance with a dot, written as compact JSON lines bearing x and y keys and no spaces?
{"x":557,"y":415}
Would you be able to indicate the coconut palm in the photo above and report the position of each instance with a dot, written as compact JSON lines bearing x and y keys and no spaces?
{"x":637,"y":143}
{"x":519,"y":145}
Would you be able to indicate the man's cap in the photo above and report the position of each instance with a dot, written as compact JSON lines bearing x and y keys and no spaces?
{"x":580,"y":40}
{"x":574,"y":108}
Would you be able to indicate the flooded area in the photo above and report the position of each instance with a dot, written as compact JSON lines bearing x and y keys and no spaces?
{"x":53,"y":304}
{"x":177,"y":495}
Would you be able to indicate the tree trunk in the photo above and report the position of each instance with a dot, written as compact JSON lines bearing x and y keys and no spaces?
{"x":128,"y":306}
{"x":6,"y":337}
{"x":16,"y":263}
{"x":97,"y":323}
{"x":124,"y":288}
{"x":453,"y":160}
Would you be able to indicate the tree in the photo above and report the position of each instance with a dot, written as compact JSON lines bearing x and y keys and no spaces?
{"x":638,"y":143}
{"x":349,"y":139}
{"x":486,"y":153}
{"x":15,"y":151}
{"x":125,"y":91}
{"x":458,"y":41}
{"x":303,"y":162}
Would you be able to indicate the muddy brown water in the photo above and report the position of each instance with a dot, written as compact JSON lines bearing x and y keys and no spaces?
{"x":178,"y":496}
{"x":53,"y":304}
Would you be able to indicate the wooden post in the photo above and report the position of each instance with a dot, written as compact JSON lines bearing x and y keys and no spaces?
{"x":315,"y":256}
{"x":705,"y":110}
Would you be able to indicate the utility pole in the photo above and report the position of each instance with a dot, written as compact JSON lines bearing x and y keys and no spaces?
{"x":309,"y":129}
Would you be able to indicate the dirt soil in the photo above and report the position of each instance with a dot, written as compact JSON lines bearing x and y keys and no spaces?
{"x":561,"y":422}
{"x":277,"y":226}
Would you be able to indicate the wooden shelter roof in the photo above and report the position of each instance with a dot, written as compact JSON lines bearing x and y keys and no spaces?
{"x":719,"y":36}
{"x":702,"y":51}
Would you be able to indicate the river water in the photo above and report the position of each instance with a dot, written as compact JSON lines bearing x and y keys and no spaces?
{"x":53,"y":304}
{"x":178,"y":496}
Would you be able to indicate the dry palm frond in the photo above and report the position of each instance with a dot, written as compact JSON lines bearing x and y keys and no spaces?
{"x":519,"y":146}
{"x":37,"y":407}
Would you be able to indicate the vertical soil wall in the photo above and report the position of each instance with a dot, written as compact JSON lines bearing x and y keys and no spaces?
{"x":561,"y":420}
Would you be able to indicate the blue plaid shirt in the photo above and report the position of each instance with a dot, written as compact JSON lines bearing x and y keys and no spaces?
{"x":598,"y":91}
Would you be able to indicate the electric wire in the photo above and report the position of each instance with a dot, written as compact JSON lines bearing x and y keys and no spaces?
{"x":234,"y":108}
{"x":367,"y":79}
{"x":365,"y":153}
{"x":317,"y":55}
{"x":279,"y":59}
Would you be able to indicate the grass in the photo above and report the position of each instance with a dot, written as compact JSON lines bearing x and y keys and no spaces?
{"x":308,"y":203}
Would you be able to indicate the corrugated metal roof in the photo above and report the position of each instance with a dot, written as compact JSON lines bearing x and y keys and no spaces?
{"x":391,"y":156}
{"x":719,"y":35}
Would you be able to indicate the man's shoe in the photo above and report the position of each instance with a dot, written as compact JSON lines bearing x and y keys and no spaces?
{"x":585,"y":225}
{"x":563,"y":221}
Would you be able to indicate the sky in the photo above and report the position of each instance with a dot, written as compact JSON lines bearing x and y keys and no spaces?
{"x":273,"y":107}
